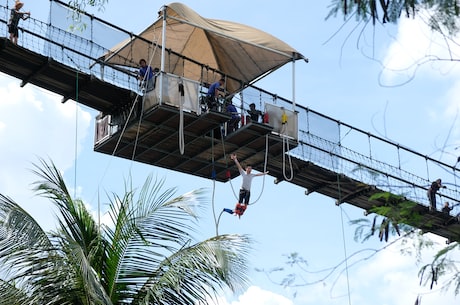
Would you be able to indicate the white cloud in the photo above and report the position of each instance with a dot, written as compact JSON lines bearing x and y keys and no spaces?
{"x":35,"y":124}
{"x":452,"y":107}
{"x":257,"y":296}
{"x":416,"y":50}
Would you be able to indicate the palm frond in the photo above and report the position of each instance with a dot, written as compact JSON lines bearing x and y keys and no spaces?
{"x":147,"y":255}
{"x":200,"y":271}
{"x":11,"y":295}
{"x":148,"y":227}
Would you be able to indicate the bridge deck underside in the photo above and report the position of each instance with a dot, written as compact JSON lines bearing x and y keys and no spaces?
{"x":344,"y":189}
{"x":155,"y":139}
{"x":51,"y":75}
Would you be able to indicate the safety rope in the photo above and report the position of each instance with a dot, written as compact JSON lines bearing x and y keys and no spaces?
{"x":138,"y":128}
{"x":288,"y":156}
{"x":228,"y":171}
{"x":265,"y":169}
{"x":76,"y":137}
{"x":345,"y":255}
{"x":285,"y":143}
{"x":217,"y":222}
{"x":181,"y":117}
{"x":339,"y":195}
{"x":125,"y":125}
{"x":144,"y":81}
{"x":213,"y":178}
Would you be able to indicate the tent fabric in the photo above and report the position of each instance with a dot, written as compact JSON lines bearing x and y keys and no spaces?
{"x":240,"y":52}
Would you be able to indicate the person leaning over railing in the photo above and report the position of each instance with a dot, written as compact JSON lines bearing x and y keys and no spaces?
{"x":147,"y":75}
{"x":213,"y":94}
{"x":431,"y":193}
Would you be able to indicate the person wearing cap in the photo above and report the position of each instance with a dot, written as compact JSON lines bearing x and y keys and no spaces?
{"x":431,"y":193}
{"x":15,"y":16}
{"x":213,"y":94}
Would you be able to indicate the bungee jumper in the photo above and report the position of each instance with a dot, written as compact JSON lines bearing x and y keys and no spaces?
{"x":245,"y":190}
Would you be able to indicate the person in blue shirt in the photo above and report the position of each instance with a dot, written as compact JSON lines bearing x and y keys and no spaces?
{"x":147,"y":75}
{"x":232,"y":125}
{"x":213,"y":94}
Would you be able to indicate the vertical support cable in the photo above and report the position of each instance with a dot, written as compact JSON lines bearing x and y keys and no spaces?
{"x":163,"y":50}
{"x":92,"y":36}
{"x":213,"y":176}
{"x":293,"y":83}
{"x":427,"y":169}
{"x":369,"y":142}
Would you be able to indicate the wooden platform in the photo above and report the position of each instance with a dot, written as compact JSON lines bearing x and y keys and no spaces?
{"x":155,"y":140}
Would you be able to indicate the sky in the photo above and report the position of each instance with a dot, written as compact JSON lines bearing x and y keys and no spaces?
{"x":367,"y":79}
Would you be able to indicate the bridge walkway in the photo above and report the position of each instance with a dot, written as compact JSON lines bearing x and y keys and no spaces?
{"x":326,"y":156}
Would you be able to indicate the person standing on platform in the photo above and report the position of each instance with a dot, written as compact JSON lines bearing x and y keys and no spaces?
{"x":147,"y":75}
{"x":213,"y":94}
{"x":15,"y":16}
{"x":232,"y":125}
{"x":254,"y":114}
{"x":431,"y":193}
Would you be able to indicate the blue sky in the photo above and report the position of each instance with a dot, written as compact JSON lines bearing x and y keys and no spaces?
{"x":344,"y":79}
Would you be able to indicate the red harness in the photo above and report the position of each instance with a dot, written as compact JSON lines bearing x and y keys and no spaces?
{"x":239,"y":209}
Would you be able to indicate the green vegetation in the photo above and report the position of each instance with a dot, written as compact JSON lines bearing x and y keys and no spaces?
{"x":146,"y":254}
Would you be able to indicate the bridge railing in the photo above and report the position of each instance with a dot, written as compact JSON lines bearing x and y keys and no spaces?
{"x":363,"y":156}
{"x":322,"y":140}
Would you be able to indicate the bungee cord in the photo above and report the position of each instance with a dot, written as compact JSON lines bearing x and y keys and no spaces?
{"x":285,"y":139}
{"x":265,"y":169}
{"x":288,"y":156}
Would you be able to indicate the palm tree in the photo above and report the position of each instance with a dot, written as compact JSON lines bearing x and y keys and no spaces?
{"x":147,"y":255}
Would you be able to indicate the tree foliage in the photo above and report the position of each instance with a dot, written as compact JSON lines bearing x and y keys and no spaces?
{"x":397,"y":213}
{"x":146,"y":255}
{"x":394,"y":217}
{"x":444,"y":13}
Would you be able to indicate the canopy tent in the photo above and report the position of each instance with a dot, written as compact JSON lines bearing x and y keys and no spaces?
{"x":196,"y":45}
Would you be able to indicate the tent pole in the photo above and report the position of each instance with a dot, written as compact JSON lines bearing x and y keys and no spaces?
{"x":293,"y":84}
{"x":163,"y":50}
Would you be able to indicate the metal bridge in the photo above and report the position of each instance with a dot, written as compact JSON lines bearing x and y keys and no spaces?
{"x":324,"y":155}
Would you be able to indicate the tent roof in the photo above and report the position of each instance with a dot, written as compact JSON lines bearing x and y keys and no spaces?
{"x":239,"y":51}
